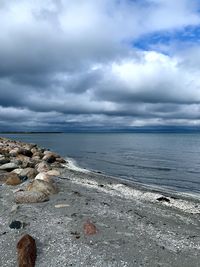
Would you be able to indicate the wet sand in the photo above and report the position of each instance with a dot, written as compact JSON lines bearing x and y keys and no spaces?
{"x":134,"y":228}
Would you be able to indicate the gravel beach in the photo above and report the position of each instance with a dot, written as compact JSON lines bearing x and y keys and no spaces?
{"x":133,"y":226}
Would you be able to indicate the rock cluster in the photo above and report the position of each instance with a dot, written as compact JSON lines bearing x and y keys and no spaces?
{"x":21,"y":161}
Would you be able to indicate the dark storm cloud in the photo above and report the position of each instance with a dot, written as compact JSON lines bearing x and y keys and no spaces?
{"x":66,"y":64}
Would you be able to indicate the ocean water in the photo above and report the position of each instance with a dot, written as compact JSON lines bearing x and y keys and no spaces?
{"x":170,"y":161}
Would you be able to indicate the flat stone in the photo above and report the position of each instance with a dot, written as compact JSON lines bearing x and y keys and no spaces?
{"x":9,"y":166}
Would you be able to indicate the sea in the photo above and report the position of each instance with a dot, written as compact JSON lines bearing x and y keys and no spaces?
{"x":170,"y":161}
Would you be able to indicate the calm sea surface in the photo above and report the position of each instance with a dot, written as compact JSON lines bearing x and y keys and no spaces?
{"x":171,"y":161}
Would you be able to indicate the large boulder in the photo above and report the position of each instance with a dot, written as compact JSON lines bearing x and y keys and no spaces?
{"x":43,"y":187}
{"x":9,"y":166}
{"x":30,"y":197}
{"x":43,"y":167}
{"x":25,"y":152}
{"x":53,"y":173}
{"x":4,"y":160}
{"x":25,"y":161}
{"x":13,"y":179}
{"x":38,"y":154}
{"x":61,"y":160}
{"x":14,"y":152}
{"x":30,"y":173}
{"x":3,"y":176}
{"x":17,"y":171}
{"x":49,"y":158}
{"x":44,"y":176}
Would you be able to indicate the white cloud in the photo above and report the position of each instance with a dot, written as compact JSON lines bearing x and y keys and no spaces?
{"x":75,"y":61}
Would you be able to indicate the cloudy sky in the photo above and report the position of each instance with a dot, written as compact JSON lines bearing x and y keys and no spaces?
{"x":99,"y":64}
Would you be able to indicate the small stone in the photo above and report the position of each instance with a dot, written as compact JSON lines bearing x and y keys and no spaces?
{"x":163,"y":199}
{"x":30,"y":197}
{"x":14,"y":208}
{"x":61,"y":205}
{"x":27,"y":251}
{"x":16,"y":225}
{"x":89,"y":228}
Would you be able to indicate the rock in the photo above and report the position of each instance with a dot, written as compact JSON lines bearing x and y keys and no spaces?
{"x":13,"y":179}
{"x":4,"y":160}
{"x":30,"y":197}
{"x":38,"y":154}
{"x":49,"y":158}
{"x":61,"y":206}
{"x":14,"y":208}
{"x":163,"y":199}
{"x":13,"y":152}
{"x":30,"y":173}
{"x":46,"y":152}
{"x":25,"y":161}
{"x":61,"y":160}
{"x":43,"y":186}
{"x":53,"y":173}
{"x":34,"y":150}
{"x":43,"y":167}
{"x":27,"y":251}
{"x":36,"y":159}
{"x":17,"y":171}
{"x":9,"y":166}
{"x":3,"y":176}
{"x":16,"y":225}
{"x":25,"y":152}
{"x":89,"y":228}
{"x":57,"y":165}
{"x":44,"y":176}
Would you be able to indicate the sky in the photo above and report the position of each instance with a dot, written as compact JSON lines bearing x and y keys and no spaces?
{"x":99,"y":64}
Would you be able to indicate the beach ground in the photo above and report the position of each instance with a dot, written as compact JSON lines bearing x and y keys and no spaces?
{"x":133,"y":227}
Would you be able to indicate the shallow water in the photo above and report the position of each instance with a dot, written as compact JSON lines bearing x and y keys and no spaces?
{"x":171,"y":161}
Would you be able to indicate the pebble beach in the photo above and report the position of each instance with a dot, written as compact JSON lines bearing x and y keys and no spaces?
{"x":82,"y":218}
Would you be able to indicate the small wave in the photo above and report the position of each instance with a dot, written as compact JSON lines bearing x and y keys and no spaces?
{"x":72,"y":165}
{"x":155,"y":168}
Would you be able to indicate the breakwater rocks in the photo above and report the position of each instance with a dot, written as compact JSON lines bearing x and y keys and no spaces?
{"x":20,"y":162}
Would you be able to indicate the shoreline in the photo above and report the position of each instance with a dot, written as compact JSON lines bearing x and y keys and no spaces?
{"x":134,"y":228}
{"x":74,"y":166}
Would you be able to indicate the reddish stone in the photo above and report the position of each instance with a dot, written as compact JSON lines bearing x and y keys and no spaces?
{"x":27,"y":251}
{"x":89,"y":228}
